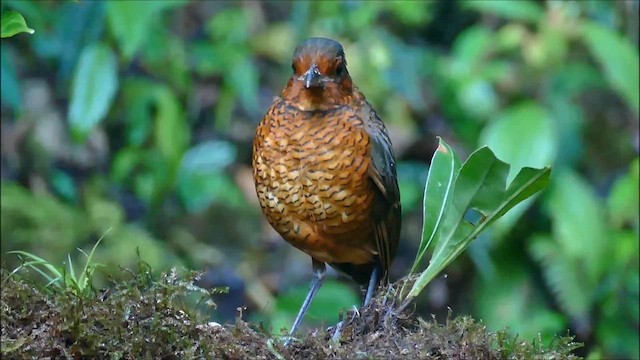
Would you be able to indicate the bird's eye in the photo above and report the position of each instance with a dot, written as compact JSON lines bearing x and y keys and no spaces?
{"x":341,"y":69}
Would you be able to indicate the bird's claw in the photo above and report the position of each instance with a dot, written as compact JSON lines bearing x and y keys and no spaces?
{"x":288,"y":340}
{"x":338,"y":333}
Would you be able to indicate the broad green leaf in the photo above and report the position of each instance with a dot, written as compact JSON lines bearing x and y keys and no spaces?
{"x":480,"y":185}
{"x":579,"y":224}
{"x":209,"y":157}
{"x":469,"y":49}
{"x":619,"y":58}
{"x":437,"y":195}
{"x":95,"y":83}
{"x":131,"y":21}
{"x":623,"y":201}
{"x":199,"y":191}
{"x":524,"y":10}
{"x":202,"y":180}
{"x":65,"y":185}
{"x":478,"y":98}
{"x":244,"y":80}
{"x":13,"y":23}
{"x":522,"y":135}
{"x":172,"y":133}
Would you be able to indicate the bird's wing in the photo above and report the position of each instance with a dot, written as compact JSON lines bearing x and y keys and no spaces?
{"x":387,"y":203}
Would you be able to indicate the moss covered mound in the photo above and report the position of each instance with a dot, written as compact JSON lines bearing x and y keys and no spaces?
{"x":149,"y":318}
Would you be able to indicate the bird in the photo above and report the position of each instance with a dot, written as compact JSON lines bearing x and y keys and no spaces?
{"x":325,"y":173}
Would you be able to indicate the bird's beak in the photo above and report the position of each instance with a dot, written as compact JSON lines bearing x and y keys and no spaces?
{"x":313,"y":77}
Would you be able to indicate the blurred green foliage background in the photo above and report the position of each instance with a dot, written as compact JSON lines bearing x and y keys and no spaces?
{"x":138,"y":116}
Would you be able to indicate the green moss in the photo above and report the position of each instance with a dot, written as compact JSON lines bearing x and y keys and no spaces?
{"x":144,"y":317}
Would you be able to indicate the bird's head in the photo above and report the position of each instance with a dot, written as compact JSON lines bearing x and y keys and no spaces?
{"x":320,"y":79}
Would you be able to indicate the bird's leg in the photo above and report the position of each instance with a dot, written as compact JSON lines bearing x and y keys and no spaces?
{"x":373,"y":282}
{"x":320,"y":269}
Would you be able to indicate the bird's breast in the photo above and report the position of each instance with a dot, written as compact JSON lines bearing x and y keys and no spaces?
{"x":312,"y":183}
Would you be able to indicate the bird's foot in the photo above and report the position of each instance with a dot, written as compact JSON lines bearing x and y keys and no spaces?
{"x":338,"y":333}
{"x":288,"y":340}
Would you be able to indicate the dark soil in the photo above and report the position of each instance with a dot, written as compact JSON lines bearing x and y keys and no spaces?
{"x":145,"y":318}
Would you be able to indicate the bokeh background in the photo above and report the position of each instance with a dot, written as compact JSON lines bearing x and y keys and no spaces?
{"x":138,"y":117}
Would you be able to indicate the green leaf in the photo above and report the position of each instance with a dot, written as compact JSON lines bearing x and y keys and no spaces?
{"x":132,"y":21}
{"x":579,"y":224}
{"x":524,"y":10}
{"x":95,"y":83}
{"x":199,"y":191}
{"x":522,"y":135}
{"x":172,"y":134}
{"x":619,"y":58}
{"x":65,"y":185}
{"x":469,"y":49}
{"x":437,"y":195}
{"x":478,"y":98}
{"x":623,"y":200}
{"x":13,"y":23}
{"x":244,"y":81}
{"x":89,"y":265}
{"x":480,"y":185}
{"x":202,"y":180}
{"x":36,"y":260}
